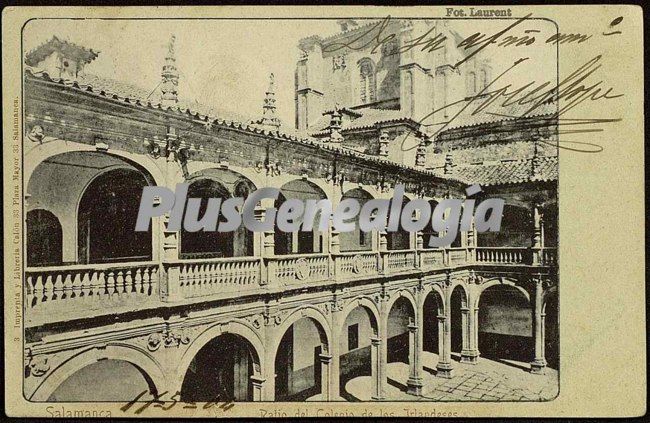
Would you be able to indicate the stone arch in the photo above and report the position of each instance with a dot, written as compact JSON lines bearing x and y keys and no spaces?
{"x":310,"y":312}
{"x":301,"y":356}
{"x":432,"y":326}
{"x":42,"y":152}
{"x":401,"y":313}
{"x":436,"y":290}
{"x":203,"y":168}
{"x":398,"y":294}
{"x":231,"y":352}
{"x":139,"y":357}
{"x":357,"y":240}
{"x":500,"y":281}
{"x":301,"y":242}
{"x":234,"y":327}
{"x":463,"y":287}
{"x":551,"y":291}
{"x":459,"y":315}
{"x":79,"y":167}
{"x":505,"y":321}
{"x":321,"y":184}
{"x":45,"y":239}
{"x":367,"y":304}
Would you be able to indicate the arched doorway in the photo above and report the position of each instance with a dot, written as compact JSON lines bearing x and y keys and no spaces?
{"x":356,"y":240}
{"x":300,"y":242}
{"x":206,"y":244}
{"x":221,"y":370}
{"x":96,"y":197}
{"x":505,"y":325}
{"x":299,"y":361}
{"x":459,"y":320}
{"x":44,"y":239}
{"x":399,"y":239}
{"x":432,"y":327}
{"x":551,"y":331}
{"x":107,"y":214}
{"x":359,"y":349}
{"x":400,"y":317}
{"x":104,"y":381}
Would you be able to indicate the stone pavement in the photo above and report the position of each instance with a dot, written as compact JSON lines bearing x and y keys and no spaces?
{"x":488,"y":380}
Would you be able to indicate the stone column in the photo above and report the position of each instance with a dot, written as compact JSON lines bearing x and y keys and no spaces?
{"x":444,"y":367}
{"x":335,"y":241}
{"x":258,"y":387}
{"x":465,"y":327}
{"x":538,"y":234}
{"x":170,"y":286}
{"x":414,"y":383}
{"x":472,"y":241}
{"x":383,"y":247}
{"x":326,"y":380}
{"x":376,"y":368}
{"x":335,"y":351}
{"x":268,"y":388}
{"x":383,"y":349}
{"x":538,"y":365}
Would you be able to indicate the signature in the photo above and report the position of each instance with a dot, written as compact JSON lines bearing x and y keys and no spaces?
{"x":375,"y":34}
{"x":573,"y":90}
{"x":166,"y":405}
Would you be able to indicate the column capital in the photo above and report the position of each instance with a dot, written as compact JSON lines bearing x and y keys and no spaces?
{"x":325,"y":358}
{"x":375,"y":340}
{"x":412,"y":327}
{"x":257,"y":380}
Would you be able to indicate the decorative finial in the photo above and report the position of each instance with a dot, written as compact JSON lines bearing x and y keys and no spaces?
{"x":269,"y":119}
{"x":335,"y":126}
{"x":169,"y":85}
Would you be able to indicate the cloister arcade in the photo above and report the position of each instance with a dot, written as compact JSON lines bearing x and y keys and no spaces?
{"x":81,"y":210}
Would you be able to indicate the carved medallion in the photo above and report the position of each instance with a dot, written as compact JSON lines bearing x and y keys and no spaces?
{"x":357,"y":264}
{"x":302,"y":269}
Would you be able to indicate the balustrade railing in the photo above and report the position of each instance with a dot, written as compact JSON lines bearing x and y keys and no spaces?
{"x":396,"y":261}
{"x":432,"y":258}
{"x":354,"y":264}
{"x":457,"y":256}
{"x":503,"y":255}
{"x":549,"y":256}
{"x":296,"y":268}
{"x":77,"y":290}
{"x":206,"y":277}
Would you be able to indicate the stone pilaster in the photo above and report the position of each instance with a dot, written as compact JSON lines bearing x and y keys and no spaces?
{"x":414,"y":382}
{"x":538,"y":365}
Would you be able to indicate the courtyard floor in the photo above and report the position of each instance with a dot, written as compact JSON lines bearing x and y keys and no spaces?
{"x":488,"y":380}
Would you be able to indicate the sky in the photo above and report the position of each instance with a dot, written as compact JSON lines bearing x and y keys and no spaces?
{"x":226,"y":63}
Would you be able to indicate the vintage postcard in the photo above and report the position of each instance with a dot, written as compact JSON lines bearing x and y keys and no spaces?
{"x":324,"y":211}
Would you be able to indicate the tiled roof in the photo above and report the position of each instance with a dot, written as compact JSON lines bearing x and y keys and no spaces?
{"x":124,"y":90}
{"x":41,"y":52}
{"x":368,"y":119}
{"x":508,"y":172}
{"x":133,"y":99}
{"x":498,"y":113}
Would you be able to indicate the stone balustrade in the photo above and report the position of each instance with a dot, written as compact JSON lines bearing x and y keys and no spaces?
{"x":501,"y":255}
{"x":356,"y":264}
{"x":297,"y":268}
{"x":398,"y":261}
{"x":206,"y":277}
{"x":82,"y":290}
{"x":70,"y":292}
